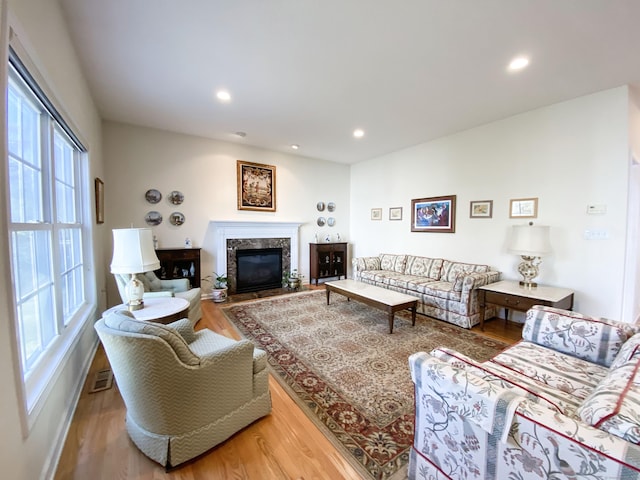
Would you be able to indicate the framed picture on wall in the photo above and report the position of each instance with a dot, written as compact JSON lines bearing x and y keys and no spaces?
{"x":523,"y":208}
{"x":434,"y":214}
{"x":481,"y":209}
{"x":395,"y":213}
{"x":256,"y":186}
{"x":376,"y":214}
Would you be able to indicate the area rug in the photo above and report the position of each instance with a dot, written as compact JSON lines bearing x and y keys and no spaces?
{"x":349,"y":375}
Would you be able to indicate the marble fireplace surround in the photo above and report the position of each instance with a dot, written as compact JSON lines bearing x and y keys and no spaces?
{"x":231,"y":235}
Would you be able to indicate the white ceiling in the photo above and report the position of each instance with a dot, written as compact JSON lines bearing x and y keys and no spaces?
{"x":310,"y":71}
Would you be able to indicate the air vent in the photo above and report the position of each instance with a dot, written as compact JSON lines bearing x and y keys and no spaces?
{"x":102,"y":380}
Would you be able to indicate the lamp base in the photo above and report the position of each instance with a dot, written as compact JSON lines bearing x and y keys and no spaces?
{"x":528,"y":284}
{"x":134,"y":305}
{"x":528,"y":268}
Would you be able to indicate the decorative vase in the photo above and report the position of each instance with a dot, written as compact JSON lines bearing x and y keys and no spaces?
{"x":294,"y":283}
{"x":219,"y":294}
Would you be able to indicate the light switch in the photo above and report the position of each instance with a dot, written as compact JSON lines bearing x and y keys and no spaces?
{"x":596,"y":234}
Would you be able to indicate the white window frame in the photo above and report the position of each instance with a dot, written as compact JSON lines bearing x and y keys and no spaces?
{"x":37,"y":382}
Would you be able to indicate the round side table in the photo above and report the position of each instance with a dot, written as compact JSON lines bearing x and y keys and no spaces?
{"x":158,"y":309}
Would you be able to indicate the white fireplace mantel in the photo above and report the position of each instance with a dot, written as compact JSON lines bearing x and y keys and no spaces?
{"x":225,"y":230}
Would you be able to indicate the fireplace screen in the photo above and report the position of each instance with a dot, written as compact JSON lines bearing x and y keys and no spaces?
{"x":258,"y":269}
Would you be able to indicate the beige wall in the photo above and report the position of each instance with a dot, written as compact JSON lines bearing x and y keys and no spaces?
{"x":204,"y":170}
{"x":569,"y":155}
{"x":41,"y":31}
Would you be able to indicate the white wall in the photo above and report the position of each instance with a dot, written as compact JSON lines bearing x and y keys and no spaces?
{"x":41,"y":30}
{"x":204,"y":170}
{"x":569,"y":155}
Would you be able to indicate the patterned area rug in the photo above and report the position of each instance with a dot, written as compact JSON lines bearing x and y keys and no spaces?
{"x":347,"y":372}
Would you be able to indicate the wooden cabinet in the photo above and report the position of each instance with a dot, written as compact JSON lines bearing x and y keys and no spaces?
{"x":179,"y":263}
{"x":327,"y":260}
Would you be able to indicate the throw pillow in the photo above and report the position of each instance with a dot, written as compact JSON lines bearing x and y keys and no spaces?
{"x":628,"y":352}
{"x":451,"y":270}
{"x":393,"y":263}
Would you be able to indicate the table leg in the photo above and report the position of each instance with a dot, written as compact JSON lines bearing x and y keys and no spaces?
{"x":481,"y":301}
{"x":391,"y":315}
{"x":413,"y":317}
{"x":328,"y":293}
{"x":506,"y":314}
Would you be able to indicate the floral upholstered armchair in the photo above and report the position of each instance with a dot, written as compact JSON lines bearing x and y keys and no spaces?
{"x":561,"y":404}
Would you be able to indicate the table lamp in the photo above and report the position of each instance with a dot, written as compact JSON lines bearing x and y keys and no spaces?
{"x":530,"y":242}
{"x":133,"y":253}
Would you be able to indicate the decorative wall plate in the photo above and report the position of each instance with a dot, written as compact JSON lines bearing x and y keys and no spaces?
{"x":153,"y":196}
{"x":331,"y":221}
{"x":320,"y":206}
{"x":176,"y":197}
{"x":331,"y":206}
{"x":321,"y":221}
{"x":153,"y":218}
{"x":176,"y":219}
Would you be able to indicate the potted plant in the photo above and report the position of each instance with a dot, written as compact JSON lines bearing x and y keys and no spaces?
{"x":218,"y":286}
{"x":292,"y":280}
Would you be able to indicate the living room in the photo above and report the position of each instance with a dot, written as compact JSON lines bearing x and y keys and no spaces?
{"x":569,"y":155}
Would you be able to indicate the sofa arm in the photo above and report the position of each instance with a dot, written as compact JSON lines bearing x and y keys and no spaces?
{"x":360,"y":264}
{"x":443,"y":390}
{"x":467,"y":282}
{"x":157,"y":294}
{"x":176,"y":285}
{"x":184,"y":328}
{"x":591,"y":339}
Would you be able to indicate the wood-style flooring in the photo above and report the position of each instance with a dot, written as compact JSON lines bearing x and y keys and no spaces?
{"x":283,"y":445}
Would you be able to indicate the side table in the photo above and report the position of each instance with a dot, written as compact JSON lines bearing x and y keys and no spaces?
{"x":511,"y":295}
{"x":158,"y":309}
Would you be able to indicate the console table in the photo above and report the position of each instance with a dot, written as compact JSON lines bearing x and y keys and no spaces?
{"x":158,"y":309}
{"x":511,"y":295}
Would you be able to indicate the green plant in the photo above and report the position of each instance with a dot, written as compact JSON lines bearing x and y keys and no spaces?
{"x":288,"y":277}
{"x":217,"y":280}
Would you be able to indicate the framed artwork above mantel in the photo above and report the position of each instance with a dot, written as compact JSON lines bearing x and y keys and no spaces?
{"x":256,"y":186}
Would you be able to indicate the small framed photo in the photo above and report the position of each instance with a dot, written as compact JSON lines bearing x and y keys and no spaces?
{"x":395,"y":213}
{"x":256,"y":186}
{"x":99,"y":187}
{"x":481,"y":209}
{"x":376,"y":214}
{"x":434,"y":214}
{"x":523,"y":208}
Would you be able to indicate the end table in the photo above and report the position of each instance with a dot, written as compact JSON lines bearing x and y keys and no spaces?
{"x":158,"y":309}
{"x":511,"y":295}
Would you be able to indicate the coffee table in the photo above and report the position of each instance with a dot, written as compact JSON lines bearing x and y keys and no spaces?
{"x":378,"y":297}
{"x":158,"y":309}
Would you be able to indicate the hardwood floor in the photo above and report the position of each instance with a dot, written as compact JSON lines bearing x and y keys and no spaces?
{"x":283,"y":445}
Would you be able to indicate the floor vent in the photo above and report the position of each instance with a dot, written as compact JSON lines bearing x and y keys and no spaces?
{"x":102,"y":380}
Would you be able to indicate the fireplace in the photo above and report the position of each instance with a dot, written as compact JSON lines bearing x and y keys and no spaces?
{"x":258,"y":269}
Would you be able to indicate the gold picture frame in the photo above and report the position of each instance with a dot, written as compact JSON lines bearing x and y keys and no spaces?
{"x":523,"y":208}
{"x":376,"y":214}
{"x":99,"y":192}
{"x":481,"y":209}
{"x":256,"y":186}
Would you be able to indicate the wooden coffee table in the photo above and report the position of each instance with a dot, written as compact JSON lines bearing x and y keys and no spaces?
{"x":378,"y":297}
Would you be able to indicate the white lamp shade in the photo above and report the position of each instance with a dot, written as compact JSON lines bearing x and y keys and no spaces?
{"x":530,"y":240}
{"x":133,"y":251}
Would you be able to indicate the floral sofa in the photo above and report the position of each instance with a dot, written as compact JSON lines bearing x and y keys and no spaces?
{"x":563,"y":403}
{"x":446,"y":289}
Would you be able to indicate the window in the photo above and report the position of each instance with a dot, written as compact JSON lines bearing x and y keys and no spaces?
{"x":46,"y":230}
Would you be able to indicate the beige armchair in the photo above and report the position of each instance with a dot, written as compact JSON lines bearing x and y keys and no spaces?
{"x":185,"y":392}
{"x":153,"y":286}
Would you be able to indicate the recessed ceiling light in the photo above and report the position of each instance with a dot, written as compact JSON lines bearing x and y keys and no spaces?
{"x":358,"y":133}
{"x":295,"y":146}
{"x":223,"y":95}
{"x":518,"y":63}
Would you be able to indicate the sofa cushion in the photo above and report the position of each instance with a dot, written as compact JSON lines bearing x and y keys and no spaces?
{"x":452,"y":270}
{"x":441,"y":290}
{"x":393,"y":263}
{"x":591,"y":339}
{"x":614,"y":405}
{"x":424,"y":267}
{"x":123,"y":320}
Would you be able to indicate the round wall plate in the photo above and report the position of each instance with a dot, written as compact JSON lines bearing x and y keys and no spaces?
{"x":331,"y":221}
{"x":153,"y":196}
{"x":320,"y":206}
{"x":176,"y":197}
{"x":331,"y":206}
{"x":153,"y":218}
{"x":176,"y":219}
{"x":321,"y":221}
